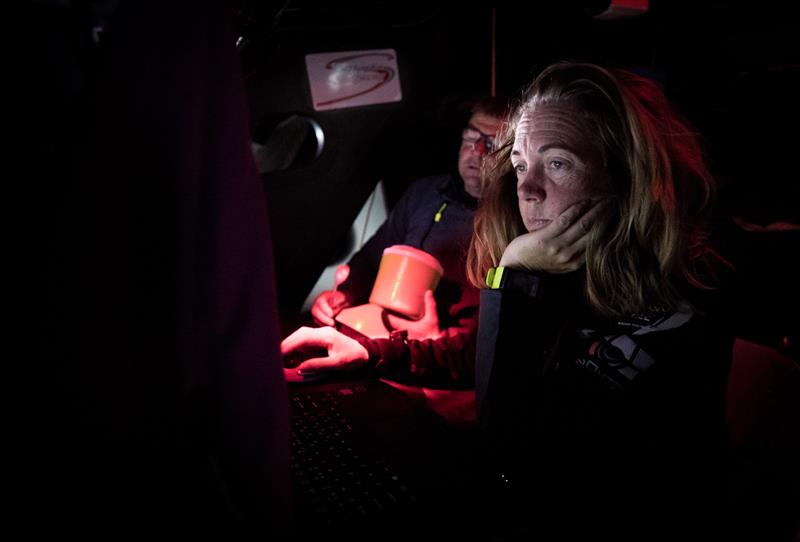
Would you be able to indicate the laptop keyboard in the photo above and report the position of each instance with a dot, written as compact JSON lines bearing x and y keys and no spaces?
{"x":335,"y":479}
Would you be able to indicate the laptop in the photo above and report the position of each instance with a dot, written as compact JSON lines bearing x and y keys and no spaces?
{"x":368,"y":462}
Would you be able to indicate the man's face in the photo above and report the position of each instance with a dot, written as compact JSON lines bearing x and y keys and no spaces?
{"x":478,"y":136}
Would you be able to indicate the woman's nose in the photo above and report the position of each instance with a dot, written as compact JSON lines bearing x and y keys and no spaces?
{"x":530,"y":187}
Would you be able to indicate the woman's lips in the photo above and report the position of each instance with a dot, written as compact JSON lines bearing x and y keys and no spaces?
{"x":537,"y":224}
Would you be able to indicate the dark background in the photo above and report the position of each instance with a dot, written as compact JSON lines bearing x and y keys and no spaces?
{"x":732,"y":68}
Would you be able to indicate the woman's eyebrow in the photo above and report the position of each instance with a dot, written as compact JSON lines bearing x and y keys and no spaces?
{"x":563,"y":146}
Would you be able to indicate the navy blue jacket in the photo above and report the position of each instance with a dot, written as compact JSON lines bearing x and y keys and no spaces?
{"x":412,"y":222}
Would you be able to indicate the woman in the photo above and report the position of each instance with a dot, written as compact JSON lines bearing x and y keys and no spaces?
{"x":600,"y":369}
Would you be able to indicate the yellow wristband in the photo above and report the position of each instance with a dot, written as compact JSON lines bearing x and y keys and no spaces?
{"x":494,"y":277}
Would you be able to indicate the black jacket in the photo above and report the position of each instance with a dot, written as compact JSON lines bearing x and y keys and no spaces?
{"x":599,"y":426}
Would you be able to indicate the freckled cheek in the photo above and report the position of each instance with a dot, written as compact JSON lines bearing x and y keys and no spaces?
{"x":560,"y":200}
{"x":575,"y":190}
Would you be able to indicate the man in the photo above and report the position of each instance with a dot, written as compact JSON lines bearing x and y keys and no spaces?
{"x":434,"y":215}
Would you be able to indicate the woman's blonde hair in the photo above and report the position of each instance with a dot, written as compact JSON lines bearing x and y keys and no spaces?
{"x":646,"y":247}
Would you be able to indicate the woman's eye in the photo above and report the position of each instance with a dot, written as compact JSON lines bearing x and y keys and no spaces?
{"x":557,"y":164}
{"x":519,"y":168}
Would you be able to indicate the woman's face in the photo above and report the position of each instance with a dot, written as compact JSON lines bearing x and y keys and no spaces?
{"x":557,"y":163}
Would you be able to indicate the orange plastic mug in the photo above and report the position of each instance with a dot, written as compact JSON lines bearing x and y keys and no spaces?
{"x":404,"y":275}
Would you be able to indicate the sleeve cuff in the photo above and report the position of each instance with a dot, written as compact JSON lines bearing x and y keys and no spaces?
{"x":384,"y":354}
{"x":506,"y":278}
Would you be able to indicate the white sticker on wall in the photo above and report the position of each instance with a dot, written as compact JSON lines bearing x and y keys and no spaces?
{"x":353,"y":78}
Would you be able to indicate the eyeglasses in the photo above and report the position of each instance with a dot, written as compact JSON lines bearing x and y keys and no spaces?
{"x":482,"y":143}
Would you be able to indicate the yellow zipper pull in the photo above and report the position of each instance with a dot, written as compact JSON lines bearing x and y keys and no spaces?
{"x":438,"y":216}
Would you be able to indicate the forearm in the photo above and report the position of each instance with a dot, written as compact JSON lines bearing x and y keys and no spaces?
{"x":447,"y":361}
